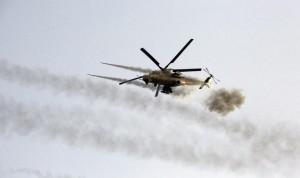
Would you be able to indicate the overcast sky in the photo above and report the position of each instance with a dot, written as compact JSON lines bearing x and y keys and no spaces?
{"x":57,"y":122}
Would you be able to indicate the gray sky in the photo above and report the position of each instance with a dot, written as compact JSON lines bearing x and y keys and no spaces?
{"x":86,"y":127}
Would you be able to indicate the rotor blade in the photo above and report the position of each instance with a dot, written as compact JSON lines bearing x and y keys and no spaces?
{"x":151,"y":57}
{"x":179,"y":53}
{"x":207,"y":71}
{"x":187,"y":70}
{"x":131,"y":80}
{"x":108,"y":78}
{"x":158,"y":87}
{"x":136,"y":69}
{"x":104,"y":77}
{"x":216,"y":79}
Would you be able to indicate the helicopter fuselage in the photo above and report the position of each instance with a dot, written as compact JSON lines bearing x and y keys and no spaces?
{"x":169,"y":78}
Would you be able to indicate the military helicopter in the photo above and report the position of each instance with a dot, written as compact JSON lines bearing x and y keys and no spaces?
{"x":166,"y":77}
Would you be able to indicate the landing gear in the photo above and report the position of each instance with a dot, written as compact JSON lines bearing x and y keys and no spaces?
{"x":167,"y":89}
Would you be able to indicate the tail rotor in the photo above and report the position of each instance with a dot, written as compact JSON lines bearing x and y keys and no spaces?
{"x":212,"y":76}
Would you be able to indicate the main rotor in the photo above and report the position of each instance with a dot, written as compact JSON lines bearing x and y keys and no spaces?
{"x":172,"y":61}
{"x":166,"y":67}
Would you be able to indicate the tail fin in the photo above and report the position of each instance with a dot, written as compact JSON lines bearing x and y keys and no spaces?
{"x":205,"y":84}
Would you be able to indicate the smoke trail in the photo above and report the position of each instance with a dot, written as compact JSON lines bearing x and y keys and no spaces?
{"x":247,"y":146}
{"x":35,"y":173}
{"x":110,"y":78}
{"x":224,"y":101}
{"x":136,"y":69}
{"x":41,"y":79}
{"x":131,"y":99}
{"x":72,"y":85}
{"x":274,"y":148}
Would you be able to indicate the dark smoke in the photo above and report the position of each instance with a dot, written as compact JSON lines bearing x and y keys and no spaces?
{"x":136,"y":69}
{"x":224,"y":101}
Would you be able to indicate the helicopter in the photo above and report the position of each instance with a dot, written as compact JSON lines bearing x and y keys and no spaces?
{"x":165,"y":77}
